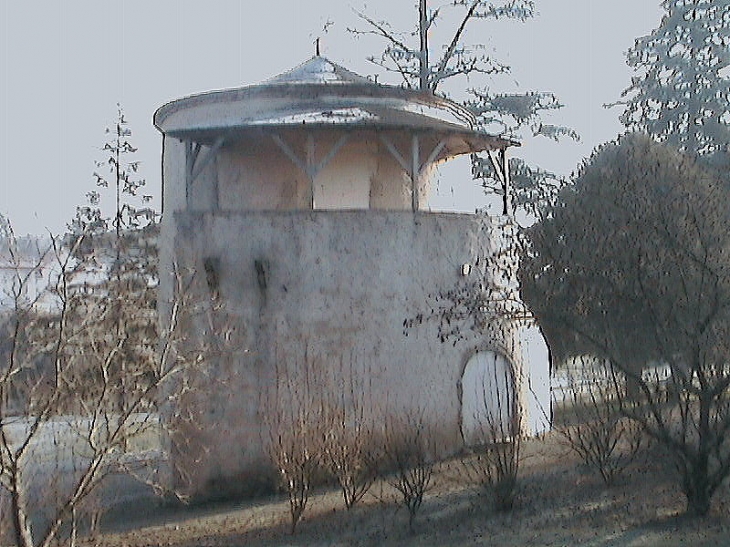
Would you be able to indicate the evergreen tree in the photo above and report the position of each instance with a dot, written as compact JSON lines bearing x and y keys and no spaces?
{"x":681,"y":92}
{"x":116,"y":210}
{"x":114,"y":244}
{"x":631,"y":265}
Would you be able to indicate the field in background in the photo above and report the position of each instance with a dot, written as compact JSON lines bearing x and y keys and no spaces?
{"x":58,"y":452}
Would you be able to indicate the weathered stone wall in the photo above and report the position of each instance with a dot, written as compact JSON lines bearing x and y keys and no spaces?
{"x":326,"y":292}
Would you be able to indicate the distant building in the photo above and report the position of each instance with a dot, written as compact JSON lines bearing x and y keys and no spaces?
{"x":32,"y":259}
{"x":301,"y":203}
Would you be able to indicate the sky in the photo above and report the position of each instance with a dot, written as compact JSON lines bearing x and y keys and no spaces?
{"x":64,"y":66}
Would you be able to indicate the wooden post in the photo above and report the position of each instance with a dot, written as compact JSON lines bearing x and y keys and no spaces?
{"x":415,"y":171}
{"x":505,"y":181}
{"x":309,"y":165}
{"x":191,"y":155}
{"x":199,"y":166}
{"x":311,"y":168}
{"x":500,"y":164}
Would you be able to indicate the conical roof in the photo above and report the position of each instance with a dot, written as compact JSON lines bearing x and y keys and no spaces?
{"x":318,"y":70}
{"x":322,"y":95}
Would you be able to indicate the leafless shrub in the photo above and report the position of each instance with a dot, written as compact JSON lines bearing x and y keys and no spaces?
{"x":494,"y":468}
{"x":409,"y":461}
{"x":592,"y":423}
{"x":296,"y":422}
{"x":297,"y":463}
{"x":347,"y":452}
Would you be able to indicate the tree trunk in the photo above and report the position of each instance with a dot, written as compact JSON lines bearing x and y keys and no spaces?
{"x":423,"y":50}
{"x":697,"y":492}
{"x":697,"y":485}
{"x":23,"y":533}
{"x":634,"y":392}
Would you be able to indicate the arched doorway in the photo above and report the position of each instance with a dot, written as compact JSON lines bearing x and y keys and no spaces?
{"x":488,"y":401}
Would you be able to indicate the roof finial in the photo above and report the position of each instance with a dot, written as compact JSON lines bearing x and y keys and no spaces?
{"x":316,"y":47}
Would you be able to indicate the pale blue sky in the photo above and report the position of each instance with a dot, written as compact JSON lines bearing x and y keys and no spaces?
{"x":65,"y":65}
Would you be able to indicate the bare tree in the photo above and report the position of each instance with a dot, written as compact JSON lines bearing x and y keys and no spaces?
{"x":295,"y":415}
{"x":297,"y":462}
{"x":415,"y":64}
{"x":116,"y":232}
{"x":60,"y":422}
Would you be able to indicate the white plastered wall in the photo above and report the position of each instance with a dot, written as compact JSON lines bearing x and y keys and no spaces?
{"x":339,"y":283}
{"x":536,"y":366}
{"x":255,"y":174}
{"x":344,"y":183}
{"x":338,"y":286}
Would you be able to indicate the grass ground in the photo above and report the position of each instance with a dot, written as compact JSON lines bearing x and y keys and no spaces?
{"x":560,"y":503}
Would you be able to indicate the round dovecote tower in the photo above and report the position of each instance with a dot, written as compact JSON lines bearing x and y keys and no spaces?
{"x":299,"y":204}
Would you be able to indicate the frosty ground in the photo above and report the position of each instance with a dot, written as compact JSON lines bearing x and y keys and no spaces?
{"x":561,"y":502}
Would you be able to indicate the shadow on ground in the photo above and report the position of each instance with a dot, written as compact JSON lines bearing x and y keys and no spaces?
{"x":560,"y":503}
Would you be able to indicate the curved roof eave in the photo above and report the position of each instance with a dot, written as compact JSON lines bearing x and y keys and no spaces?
{"x":320,"y":94}
{"x":311,"y":99}
{"x":457,"y":142}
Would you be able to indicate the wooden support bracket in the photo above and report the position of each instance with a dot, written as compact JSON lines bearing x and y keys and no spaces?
{"x":434,"y":153}
{"x":193,"y":167}
{"x":309,"y":165}
{"x":414,"y":168}
{"x":396,"y":154}
{"x":208,"y":157}
{"x":289,"y":153}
